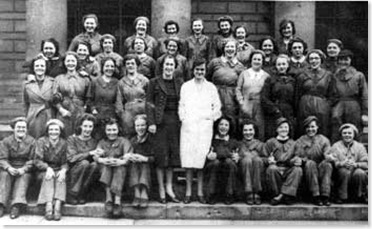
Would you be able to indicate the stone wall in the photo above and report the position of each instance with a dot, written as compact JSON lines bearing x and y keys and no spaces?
{"x":12,"y":35}
{"x":257,"y":17}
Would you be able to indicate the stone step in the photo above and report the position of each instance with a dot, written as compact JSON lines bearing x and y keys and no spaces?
{"x":237,"y":211}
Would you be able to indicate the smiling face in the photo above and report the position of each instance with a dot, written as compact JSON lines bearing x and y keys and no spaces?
{"x":333,"y":50}
{"x":131,"y":66}
{"x":86,"y":128}
{"x":172,"y":47}
{"x":347,"y":135}
{"x":54,"y":131}
{"x":139,"y":45}
{"x":223,"y":127}
{"x":199,"y":71}
{"x":240,"y":33}
{"x":108,"y":45}
{"x":312,"y":129}
{"x":257,"y":61}
{"x":90,"y":25}
{"x":248,"y":132}
{"x":70,"y":62}
{"x":20,"y":129}
{"x":287,"y":31}
{"x":297,"y":50}
{"x":169,"y":66}
{"x":314,"y":60}
{"x":230,"y":49}
{"x":225,"y":27}
{"x":267,"y":47}
{"x":171,"y":29}
{"x":141,"y":27}
{"x":49,"y":50}
{"x":109,"y":68}
{"x":140,"y":127}
{"x":283,"y":130}
{"x":344,"y":62}
{"x":40,"y":67}
{"x":82,"y":51}
{"x":281,"y":65}
{"x":197,"y":27}
{"x":112,"y":131}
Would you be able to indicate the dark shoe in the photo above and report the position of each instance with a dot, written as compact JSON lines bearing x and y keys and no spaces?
{"x":144,"y":203}
{"x":82,"y":201}
{"x":339,"y":201}
{"x":317,"y":201}
{"x":109,"y":207}
{"x":249,"y":200}
{"x":211,"y":199}
{"x":2,"y":209}
{"x":289,"y":200}
{"x":117,"y":210}
{"x":229,"y":199}
{"x":276,"y":200}
{"x":162,"y":201}
{"x":257,"y":199}
{"x":14,"y":211}
{"x":136,"y":202}
{"x":72,"y":200}
{"x":202,"y":200}
{"x":173,"y":199}
{"x":326,"y":201}
{"x":187,"y":199}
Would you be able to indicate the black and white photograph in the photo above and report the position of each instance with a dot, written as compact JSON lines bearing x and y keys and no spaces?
{"x":184,"y":112}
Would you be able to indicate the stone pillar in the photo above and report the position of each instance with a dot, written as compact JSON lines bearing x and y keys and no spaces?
{"x":177,"y":10}
{"x":45,"y":19}
{"x":303,"y":15}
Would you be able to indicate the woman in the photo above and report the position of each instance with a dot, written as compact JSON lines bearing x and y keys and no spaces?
{"x":81,"y":149}
{"x":313,"y":92}
{"x":220,"y":168}
{"x":148,"y":64}
{"x":113,"y":161}
{"x":287,"y":31}
{"x":334,"y":46}
{"x":16,"y":162}
{"x":140,"y":168}
{"x":351,"y":162}
{"x":269,"y":47}
{"x":37,"y":97}
{"x":161,"y":108}
{"x":107,"y":43}
{"x":251,"y":163}
{"x":89,"y":67}
{"x":244,"y":49}
{"x":131,"y":95}
{"x":282,"y":177}
{"x":102,"y":95}
{"x":297,"y":49}
{"x":199,"y":106}
{"x":310,"y":149}
{"x":51,"y":160}
{"x":90,"y":35}
{"x":173,"y":46}
{"x":198,"y":45}
{"x":249,"y":90}
{"x":278,"y":95}
{"x":224,"y":72}
{"x":350,"y":95}
{"x":70,"y":93}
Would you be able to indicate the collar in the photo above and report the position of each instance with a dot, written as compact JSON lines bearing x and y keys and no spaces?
{"x":141,"y":139}
{"x":348,"y":145}
{"x":199,"y":40}
{"x":226,"y":138}
{"x":234,"y":60}
{"x":282,"y":138}
{"x":252,"y":144}
{"x":301,"y":60}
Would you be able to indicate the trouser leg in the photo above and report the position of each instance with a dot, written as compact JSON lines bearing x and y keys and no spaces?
{"x":311,"y":177}
{"x":273,"y":179}
{"x":20,"y":189}
{"x":343,"y":177}
{"x":293,"y":177}
{"x":325,"y":174}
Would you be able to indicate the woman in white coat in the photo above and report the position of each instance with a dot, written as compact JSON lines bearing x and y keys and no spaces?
{"x":199,"y":107}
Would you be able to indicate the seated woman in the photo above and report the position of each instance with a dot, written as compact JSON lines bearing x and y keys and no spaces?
{"x":115,"y":153}
{"x":282,"y":177}
{"x":81,"y":148}
{"x":50,"y":160}
{"x":251,"y":162}
{"x":220,"y":166}
{"x":351,"y":160}
{"x":140,"y":173}
{"x":16,"y":153}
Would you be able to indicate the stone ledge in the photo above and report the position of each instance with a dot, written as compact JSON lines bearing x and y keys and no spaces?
{"x":238,"y":211}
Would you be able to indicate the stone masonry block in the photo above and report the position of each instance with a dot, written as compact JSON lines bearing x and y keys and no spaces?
{"x":242,"y":7}
{"x":213,"y":7}
{"x":253,"y":17}
{"x":20,"y":5}
{"x":20,"y":26}
{"x":6,"y":26}
{"x":264,"y":7}
{"x":194,"y":7}
{"x":6,"y":65}
{"x":263,"y":28}
{"x":20,"y":46}
{"x":210,"y":27}
{"x":6,"y":46}
{"x":6,"y":5}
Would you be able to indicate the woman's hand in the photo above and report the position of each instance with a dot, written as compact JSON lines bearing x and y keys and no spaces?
{"x":12,"y":171}
{"x":49,"y":174}
{"x":65,"y":113}
{"x":212,"y":156}
{"x":152,"y":129}
{"x":95,"y":112}
{"x":271,"y":160}
{"x":61,"y":175}
{"x":235,"y":157}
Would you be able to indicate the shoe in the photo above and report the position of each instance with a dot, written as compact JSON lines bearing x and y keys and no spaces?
{"x":229,"y":199}
{"x":117,"y":210}
{"x":202,"y":200}
{"x":289,"y":200}
{"x":317,"y":201}
{"x":339,"y":201}
{"x":257,"y":199}
{"x":49,"y":211}
{"x":14,"y":212}
{"x":187,"y":199}
{"x":72,"y":200}
{"x":276,"y":200}
{"x":326,"y":201}
{"x":173,"y":199}
{"x":211,"y":199}
{"x":109,"y":207}
{"x":2,"y":209}
{"x":82,"y":201}
{"x":249,"y":200}
{"x":144,"y":203}
{"x":162,"y":200}
{"x":136,"y":202}
{"x":57,"y":211}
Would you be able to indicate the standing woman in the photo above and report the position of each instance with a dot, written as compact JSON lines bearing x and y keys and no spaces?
{"x":278,"y":96}
{"x":199,"y":107}
{"x":244,"y":49}
{"x":224,"y":72}
{"x":287,"y":31}
{"x":297,"y":49}
{"x":37,"y":97}
{"x":70,"y":93}
{"x":113,"y":161}
{"x":313,"y":92}
{"x":51,"y":161}
{"x":249,"y":90}
{"x":89,"y":67}
{"x":334,"y":46}
{"x":148,"y":64}
{"x":269,"y":47}
{"x":131,"y":95}
{"x":102,"y":95}
{"x":16,"y":161}
{"x":198,"y":45}
{"x":107,"y":43}
{"x":350,"y":93}
{"x":162,"y":99}
{"x":90,"y":35}
{"x":81,"y":150}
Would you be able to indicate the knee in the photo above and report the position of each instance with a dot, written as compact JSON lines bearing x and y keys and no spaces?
{"x":359,"y":174}
{"x":257,"y":160}
{"x":230,"y":164}
{"x":310,"y":165}
{"x":272,"y":169}
{"x":326,"y":165}
{"x":297,"y":171}
{"x":83,"y":164}
{"x":246,"y":161}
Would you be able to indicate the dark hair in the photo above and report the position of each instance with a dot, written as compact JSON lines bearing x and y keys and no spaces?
{"x":194,"y":20}
{"x":178,"y":42}
{"x":86,"y":43}
{"x":85,"y":117}
{"x":104,"y":60}
{"x":107,"y":36}
{"x":64,"y":58}
{"x":139,"y":38}
{"x":217,"y":122}
{"x":132,"y":57}
{"x":275,"y":48}
{"x":171,"y":22}
{"x":86,"y":16}
{"x":33,"y":63}
{"x":111,"y":121}
{"x":167,"y":56}
{"x":250,"y":122}
{"x":238,"y":27}
{"x":257,"y":51}
{"x":54,"y":42}
{"x":198,"y":61}
{"x":225,"y":18}
{"x":297,"y":40}
{"x":284,"y":23}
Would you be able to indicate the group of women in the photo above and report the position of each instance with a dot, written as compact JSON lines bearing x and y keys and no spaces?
{"x":217,"y":107}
